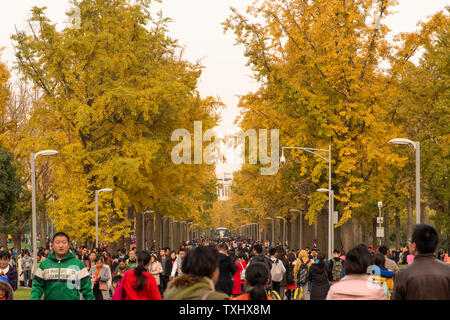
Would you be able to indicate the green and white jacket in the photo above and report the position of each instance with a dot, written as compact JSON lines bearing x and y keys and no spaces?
{"x":65,"y":279}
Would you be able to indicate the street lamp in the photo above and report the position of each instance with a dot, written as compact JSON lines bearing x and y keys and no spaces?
{"x":143,"y":227}
{"x":416,"y":146}
{"x":96,"y":212}
{"x":313,"y":151}
{"x":33,"y":199}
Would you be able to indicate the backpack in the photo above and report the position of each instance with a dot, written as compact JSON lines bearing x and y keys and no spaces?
{"x":303,"y":273}
{"x":337,"y":270}
{"x":277,"y":271}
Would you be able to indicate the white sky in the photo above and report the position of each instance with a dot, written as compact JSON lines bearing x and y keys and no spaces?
{"x":197,"y":25}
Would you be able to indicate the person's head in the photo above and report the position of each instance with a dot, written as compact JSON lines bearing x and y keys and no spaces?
{"x":143,"y":261}
{"x":4,"y":259}
{"x":272,"y":252}
{"x":167,"y":250}
{"x":83,"y":251}
{"x":173,"y":255}
{"x":122,"y":263}
{"x":61,"y":244}
{"x":257,"y":249}
{"x":314,"y":253}
{"x":336,"y":253}
{"x":99,"y":262}
{"x":357,"y":261}
{"x":223,"y":247}
{"x":202,"y":261}
{"x":182,"y":253}
{"x":383,"y":250}
{"x":132,"y":255}
{"x":153,"y":257}
{"x":257,"y":276}
{"x":379,"y":260}
{"x":423,"y":240}
{"x":92,"y":256}
{"x":162,"y":252}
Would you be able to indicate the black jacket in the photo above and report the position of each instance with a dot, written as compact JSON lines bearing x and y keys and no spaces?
{"x":12,"y":277}
{"x":227,"y":269}
{"x":167,"y":267}
{"x":319,"y":275}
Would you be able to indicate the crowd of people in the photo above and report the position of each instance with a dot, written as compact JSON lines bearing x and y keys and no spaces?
{"x":236,"y":269}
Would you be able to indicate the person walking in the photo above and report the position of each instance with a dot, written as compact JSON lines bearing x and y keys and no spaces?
{"x":356,"y":285}
{"x":176,"y":267}
{"x":100,"y":276}
{"x":27,"y":264}
{"x":278,"y":270}
{"x":301,"y":273}
{"x":227,"y":269}
{"x":138,"y":284}
{"x":155,"y":269}
{"x":319,"y":276}
{"x":68,"y":267}
{"x":258,"y":278}
{"x":426,"y":278}
{"x":166,"y":263}
{"x":336,"y":265}
{"x":389,"y":263}
{"x":200,"y":273}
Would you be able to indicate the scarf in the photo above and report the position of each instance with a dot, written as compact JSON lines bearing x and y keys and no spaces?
{"x":96,"y":273}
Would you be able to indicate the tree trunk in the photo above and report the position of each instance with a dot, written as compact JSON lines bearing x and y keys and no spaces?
{"x":409,"y":220}
{"x":374,"y":232}
{"x":138,"y":231}
{"x":387,"y":234}
{"x":397,"y":230}
{"x":3,"y":233}
{"x":43,"y":241}
{"x":17,"y":240}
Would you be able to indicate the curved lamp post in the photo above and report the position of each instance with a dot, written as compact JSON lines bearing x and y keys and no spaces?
{"x":416,"y":145}
{"x":33,"y":199}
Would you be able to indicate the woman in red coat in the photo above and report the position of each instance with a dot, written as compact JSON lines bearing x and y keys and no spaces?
{"x":139,"y":284}
{"x":238,"y":283}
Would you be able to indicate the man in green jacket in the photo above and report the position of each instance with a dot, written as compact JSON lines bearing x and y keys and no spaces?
{"x":62,"y":276}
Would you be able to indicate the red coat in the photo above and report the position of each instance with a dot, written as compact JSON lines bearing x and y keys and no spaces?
{"x":237,"y":289}
{"x":150,"y":290}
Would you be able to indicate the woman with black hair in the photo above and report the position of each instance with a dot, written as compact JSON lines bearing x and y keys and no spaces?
{"x":319,"y":276}
{"x":200,"y":273}
{"x":258,"y":278}
{"x":138,"y":284}
{"x":356,"y":284}
{"x":100,"y":276}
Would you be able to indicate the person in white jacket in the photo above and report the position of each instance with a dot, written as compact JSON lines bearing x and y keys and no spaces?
{"x":155,"y":268}
{"x":278,"y":270}
{"x":176,"y":268}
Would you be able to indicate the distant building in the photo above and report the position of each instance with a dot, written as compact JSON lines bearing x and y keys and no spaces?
{"x":224,"y":181}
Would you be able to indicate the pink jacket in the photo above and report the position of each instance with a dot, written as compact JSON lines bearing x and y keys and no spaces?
{"x":356,"y":287}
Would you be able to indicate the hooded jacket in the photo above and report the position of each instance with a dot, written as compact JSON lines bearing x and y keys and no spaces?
{"x":65,"y":279}
{"x":5,"y":285}
{"x":303,"y":255}
{"x":191,"y":287}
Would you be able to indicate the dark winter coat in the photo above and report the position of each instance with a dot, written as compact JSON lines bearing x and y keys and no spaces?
{"x":318,"y":276}
{"x":227,"y":269}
